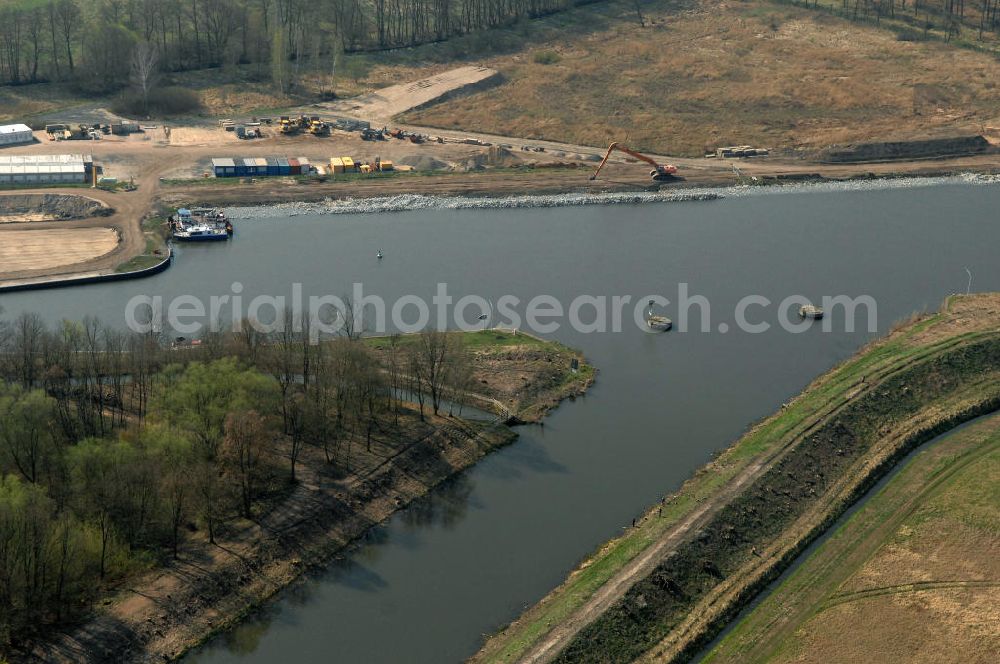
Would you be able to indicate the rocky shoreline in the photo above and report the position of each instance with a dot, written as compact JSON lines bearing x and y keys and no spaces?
{"x":410,"y":202}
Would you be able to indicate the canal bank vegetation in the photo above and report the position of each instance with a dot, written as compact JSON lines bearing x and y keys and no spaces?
{"x":913,"y":575}
{"x":155,"y":233}
{"x":671,"y":582}
{"x":151,"y":492}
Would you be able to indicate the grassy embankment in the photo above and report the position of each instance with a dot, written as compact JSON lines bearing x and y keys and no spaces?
{"x":543,"y":377}
{"x":912,"y":575}
{"x":154,"y":228}
{"x":856,"y":411}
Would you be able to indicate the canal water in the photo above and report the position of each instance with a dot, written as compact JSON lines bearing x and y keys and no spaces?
{"x":427,"y":585}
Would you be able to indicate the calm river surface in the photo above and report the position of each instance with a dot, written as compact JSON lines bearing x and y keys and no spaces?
{"x":433,"y":580}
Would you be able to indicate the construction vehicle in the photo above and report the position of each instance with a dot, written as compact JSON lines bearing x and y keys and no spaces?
{"x":660,"y":171}
{"x":290,"y":126}
{"x":318,"y":128}
{"x":372,"y":135}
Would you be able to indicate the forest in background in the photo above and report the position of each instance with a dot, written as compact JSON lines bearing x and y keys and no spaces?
{"x":130,"y":48}
{"x":115,"y":447}
{"x":100,"y":45}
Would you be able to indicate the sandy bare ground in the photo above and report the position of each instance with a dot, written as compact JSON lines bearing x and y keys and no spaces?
{"x":47,"y":248}
{"x":11,"y":218}
{"x":385,"y":103}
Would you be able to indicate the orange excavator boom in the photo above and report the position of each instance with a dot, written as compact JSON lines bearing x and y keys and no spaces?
{"x":659,"y":172}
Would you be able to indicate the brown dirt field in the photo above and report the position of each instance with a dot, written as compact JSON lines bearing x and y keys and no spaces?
{"x":706,"y":73}
{"x":931,"y":590}
{"x":48,"y":248}
{"x":968,"y":314}
{"x":946,"y":625}
{"x":11,"y":218}
{"x":912,"y":571}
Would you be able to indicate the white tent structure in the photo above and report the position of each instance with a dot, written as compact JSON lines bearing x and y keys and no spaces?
{"x":43,"y":169}
{"x":14,"y":134}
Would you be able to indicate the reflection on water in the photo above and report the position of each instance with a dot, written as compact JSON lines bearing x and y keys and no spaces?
{"x":443,"y":506}
{"x":429,"y":583}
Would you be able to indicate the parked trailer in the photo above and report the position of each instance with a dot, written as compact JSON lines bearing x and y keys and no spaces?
{"x":224,"y":167}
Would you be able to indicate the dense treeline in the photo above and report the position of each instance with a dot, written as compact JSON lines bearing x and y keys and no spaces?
{"x":114,"y":447}
{"x":96,"y":43}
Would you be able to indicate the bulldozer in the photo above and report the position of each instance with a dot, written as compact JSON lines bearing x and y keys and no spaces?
{"x":659,"y":173}
{"x":318,"y":128}
{"x":288,"y":125}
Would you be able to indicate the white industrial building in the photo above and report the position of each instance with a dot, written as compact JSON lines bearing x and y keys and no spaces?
{"x":14,"y":134}
{"x":45,"y":168}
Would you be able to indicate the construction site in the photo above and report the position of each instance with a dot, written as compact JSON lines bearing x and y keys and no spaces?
{"x":358,"y":147}
{"x":840,"y":164}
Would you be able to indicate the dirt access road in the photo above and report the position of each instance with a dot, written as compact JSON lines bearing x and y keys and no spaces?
{"x":385,"y":103}
{"x":187,"y":153}
{"x":41,"y":250}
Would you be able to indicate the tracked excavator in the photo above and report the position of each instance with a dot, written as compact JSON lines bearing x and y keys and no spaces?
{"x":660,"y":171}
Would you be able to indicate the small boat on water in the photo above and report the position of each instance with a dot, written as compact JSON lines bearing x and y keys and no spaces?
{"x":656,"y":322}
{"x":810,"y":311}
{"x":201,"y":233}
{"x":200,"y":225}
{"x":379,"y":254}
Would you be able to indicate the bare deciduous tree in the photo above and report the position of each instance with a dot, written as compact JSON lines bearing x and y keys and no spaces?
{"x":145,"y":69}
